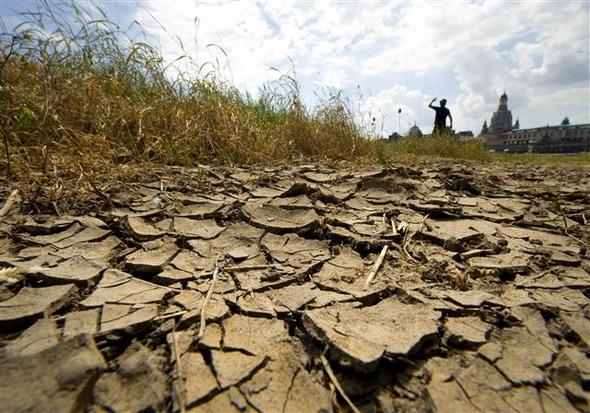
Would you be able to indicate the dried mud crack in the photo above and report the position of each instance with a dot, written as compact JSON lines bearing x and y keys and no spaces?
{"x":481,"y":303}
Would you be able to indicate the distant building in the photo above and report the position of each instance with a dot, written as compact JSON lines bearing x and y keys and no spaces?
{"x":546,"y":139}
{"x":394,"y":137}
{"x":502,"y":118}
{"x":466,"y":134}
{"x":415,"y":131}
{"x":484,"y":129}
{"x":502,"y":136}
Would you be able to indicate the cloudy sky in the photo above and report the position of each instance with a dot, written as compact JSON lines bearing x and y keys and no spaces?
{"x":386,"y":55}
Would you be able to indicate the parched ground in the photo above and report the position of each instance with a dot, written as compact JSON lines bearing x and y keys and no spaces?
{"x":453,"y":287}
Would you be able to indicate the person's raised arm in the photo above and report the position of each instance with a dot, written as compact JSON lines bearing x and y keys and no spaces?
{"x":430,"y":104}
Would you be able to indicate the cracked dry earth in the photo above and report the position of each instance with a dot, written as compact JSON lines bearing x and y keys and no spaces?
{"x":481,"y":303}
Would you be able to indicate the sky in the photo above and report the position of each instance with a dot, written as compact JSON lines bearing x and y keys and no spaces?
{"x":385,"y":55}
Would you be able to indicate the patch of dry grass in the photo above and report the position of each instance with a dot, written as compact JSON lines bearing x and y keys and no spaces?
{"x":82,"y":103}
{"x":76,"y":89}
{"x":438,"y":146}
{"x":580,"y":159}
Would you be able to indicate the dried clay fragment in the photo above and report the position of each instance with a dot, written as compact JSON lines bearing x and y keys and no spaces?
{"x":137,"y":385}
{"x":40,"y":336}
{"x":360,"y":337}
{"x":153,"y":258}
{"x":125,"y":319}
{"x":141,"y":229}
{"x":284,"y":384}
{"x":122,"y":288}
{"x":86,"y":235}
{"x":466,"y":331}
{"x":63,"y":378}
{"x":280,"y":220}
{"x":76,"y":269}
{"x":81,"y":322}
{"x":195,"y":228}
{"x":32,"y":303}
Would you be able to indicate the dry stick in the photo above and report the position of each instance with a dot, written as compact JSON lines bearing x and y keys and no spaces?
{"x":334,"y":380}
{"x":168,"y":316}
{"x":207,"y":298}
{"x":5,"y":136}
{"x":334,"y":396}
{"x":394,"y":228}
{"x":251,"y":267}
{"x":566,"y":232}
{"x":57,"y":211}
{"x":376,"y":267}
{"x":177,"y":357}
{"x":9,"y":203}
{"x":156,"y":285}
{"x":93,"y":185}
{"x":405,"y":242}
{"x":423,"y":222}
{"x":573,"y":237}
{"x":245,"y":268}
{"x":408,"y":238}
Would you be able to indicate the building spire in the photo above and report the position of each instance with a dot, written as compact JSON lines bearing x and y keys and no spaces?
{"x":484,"y":128}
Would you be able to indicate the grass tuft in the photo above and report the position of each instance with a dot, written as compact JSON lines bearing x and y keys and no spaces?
{"x":538,"y":158}
{"x":441,"y":146}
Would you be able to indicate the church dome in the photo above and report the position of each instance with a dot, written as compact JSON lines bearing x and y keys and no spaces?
{"x":502,"y":118}
{"x":415,"y":131}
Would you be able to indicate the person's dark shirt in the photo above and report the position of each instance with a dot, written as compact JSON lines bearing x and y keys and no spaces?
{"x":441,"y":116}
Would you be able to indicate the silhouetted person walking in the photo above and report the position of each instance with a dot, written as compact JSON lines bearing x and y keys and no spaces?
{"x":440,"y":120}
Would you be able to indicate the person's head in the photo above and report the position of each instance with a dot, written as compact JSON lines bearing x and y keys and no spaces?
{"x":443,"y":102}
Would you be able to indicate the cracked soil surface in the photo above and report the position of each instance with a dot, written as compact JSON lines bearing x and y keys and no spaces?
{"x":479,"y":304}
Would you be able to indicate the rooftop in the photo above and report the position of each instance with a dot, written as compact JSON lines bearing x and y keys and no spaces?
{"x":578,"y":126}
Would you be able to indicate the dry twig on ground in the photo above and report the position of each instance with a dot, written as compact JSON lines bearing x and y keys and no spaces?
{"x":207,"y":298}
{"x":9,"y":203}
{"x":376,"y":267}
{"x":178,"y":393}
{"x":334,"y":380}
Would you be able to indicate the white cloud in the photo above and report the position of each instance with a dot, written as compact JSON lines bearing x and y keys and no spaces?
{"x":384,"y":108}
{"x":234,"y":37}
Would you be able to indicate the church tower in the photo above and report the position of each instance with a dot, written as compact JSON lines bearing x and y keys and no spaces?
{"x":502,"y":118}
{"x":484,"y":128}
{"x":503,"y":101}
